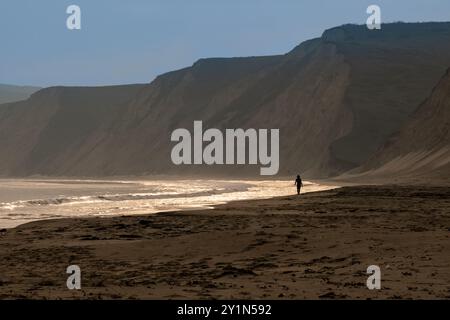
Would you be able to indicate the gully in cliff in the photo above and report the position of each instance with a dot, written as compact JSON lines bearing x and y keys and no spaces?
{"x":237,"y":146}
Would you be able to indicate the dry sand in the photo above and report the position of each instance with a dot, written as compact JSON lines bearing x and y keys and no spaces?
{"x":316,"y":245}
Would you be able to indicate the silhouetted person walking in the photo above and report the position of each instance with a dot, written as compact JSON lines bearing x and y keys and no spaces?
{"x":298,"y":183}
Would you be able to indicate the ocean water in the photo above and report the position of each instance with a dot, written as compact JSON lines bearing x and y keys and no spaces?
{"x":23,"y":201}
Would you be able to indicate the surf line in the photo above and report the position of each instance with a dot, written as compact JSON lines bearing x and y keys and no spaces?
{"x":233,"y":151}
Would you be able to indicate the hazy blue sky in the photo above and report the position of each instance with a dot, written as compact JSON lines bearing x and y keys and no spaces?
{"x":133,"y":41}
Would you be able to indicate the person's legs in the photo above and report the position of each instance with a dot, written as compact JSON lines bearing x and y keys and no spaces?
{"x":298,"y":190}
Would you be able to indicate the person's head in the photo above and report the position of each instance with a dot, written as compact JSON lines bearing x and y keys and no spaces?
{"x":298,"y":176}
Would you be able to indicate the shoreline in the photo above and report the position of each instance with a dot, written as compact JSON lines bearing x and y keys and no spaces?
{"x":206,"y":207}
{"x":317,"y":245}
{"x":24,"y":201}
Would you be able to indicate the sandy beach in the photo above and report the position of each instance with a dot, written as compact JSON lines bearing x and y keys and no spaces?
{"x":317,"y":245}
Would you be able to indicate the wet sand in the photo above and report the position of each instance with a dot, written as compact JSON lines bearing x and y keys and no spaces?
{"x":312,"y":246}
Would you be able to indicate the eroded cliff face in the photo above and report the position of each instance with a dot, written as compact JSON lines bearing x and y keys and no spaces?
{"x":335,"y":99}
{"x":53,"y":129}
{"x":294,"y":95}
{"x":420,"y":150}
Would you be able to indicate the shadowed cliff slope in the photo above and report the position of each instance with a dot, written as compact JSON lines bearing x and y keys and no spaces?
{"x":420,"y":150}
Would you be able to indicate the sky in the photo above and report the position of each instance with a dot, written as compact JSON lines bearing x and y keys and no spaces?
{"x":133,"y":41}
